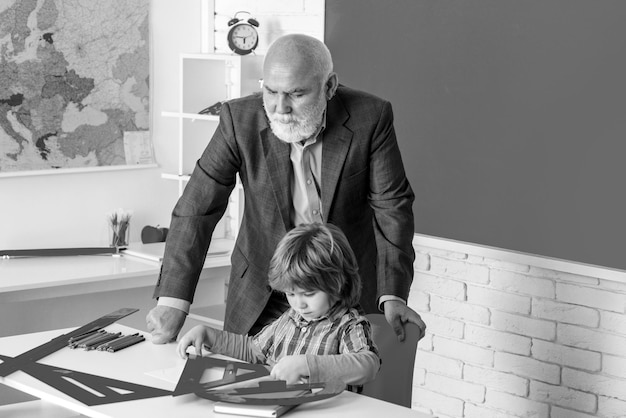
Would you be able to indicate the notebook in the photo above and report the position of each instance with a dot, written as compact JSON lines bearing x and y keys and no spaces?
{"x":251,"y":410}
{"x":259,"y":410}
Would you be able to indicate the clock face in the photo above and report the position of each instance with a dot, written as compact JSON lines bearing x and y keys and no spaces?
{"x":243,"y":37}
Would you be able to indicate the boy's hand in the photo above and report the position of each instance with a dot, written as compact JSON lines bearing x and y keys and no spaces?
{"x":291,"y":369}
{"x":197,"y":337}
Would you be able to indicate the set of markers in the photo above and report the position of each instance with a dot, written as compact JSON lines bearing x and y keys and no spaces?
{"x":102,"y":340}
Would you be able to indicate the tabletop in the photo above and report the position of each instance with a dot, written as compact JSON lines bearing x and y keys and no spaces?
{"x":158,"y":366}
{"x":29,"y":278}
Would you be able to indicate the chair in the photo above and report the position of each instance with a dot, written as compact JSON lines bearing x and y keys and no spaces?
{"x":394,"y":382}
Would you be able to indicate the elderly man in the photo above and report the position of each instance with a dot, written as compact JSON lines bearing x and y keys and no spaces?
{"x":307,"y":150}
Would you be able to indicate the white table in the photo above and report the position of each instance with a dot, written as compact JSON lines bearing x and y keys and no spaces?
{"x":53,"y":292}
{"x":29,"y":278}
{"x":133,"y":365}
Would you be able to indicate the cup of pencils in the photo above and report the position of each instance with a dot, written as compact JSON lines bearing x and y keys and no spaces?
{"x":119,"y":227}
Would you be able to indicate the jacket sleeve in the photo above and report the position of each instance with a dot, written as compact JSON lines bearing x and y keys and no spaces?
{"x":391,"y":199}
{"x":197,"y":212}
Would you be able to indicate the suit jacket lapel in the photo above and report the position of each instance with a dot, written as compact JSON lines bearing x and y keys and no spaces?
{"x":279,"y":168}
{"x":335,"y":146}
{"x":336,"y":143}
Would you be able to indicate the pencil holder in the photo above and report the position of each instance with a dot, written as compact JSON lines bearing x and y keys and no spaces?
{"x":119,"y":228}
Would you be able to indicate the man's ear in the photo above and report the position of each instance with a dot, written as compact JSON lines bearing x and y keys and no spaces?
{"x":331,"y":85}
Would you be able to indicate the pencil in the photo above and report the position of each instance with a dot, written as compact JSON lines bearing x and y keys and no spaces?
{"x":123,"y":338}
{"x":90,"y":345}
{"x":87,"y":338}
{"x":128,"y":343}
{"x":82,"y":336}
{"x":128,"y":338}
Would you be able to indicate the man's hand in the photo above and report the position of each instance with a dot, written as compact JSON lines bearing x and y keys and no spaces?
{"x":291,"y":369}
{"x":164,"y":323}
{"x":398,"y":313}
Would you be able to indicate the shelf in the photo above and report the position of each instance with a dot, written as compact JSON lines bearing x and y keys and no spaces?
{"x":205,"y":80}
{"x":178,"y":177}
{"x":186,"y":177}
{"x":192,"y":116}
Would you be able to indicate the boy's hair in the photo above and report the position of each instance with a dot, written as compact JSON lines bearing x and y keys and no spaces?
{"x":317,"y":257}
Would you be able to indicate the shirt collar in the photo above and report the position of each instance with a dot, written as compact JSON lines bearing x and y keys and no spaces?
{"x":335,"y":313}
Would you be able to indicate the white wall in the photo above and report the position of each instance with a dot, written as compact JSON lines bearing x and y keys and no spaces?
{"x":275,"y":17}
{"x":63,"y":210}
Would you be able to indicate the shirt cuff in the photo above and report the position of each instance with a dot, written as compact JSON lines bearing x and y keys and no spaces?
{"x":385,"y":298}
{"x":179,"y":304}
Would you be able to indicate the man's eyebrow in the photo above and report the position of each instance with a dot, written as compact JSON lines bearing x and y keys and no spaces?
{"x":295,"y":90}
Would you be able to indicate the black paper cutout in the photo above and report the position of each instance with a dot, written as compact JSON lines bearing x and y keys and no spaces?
{"x":69,"y":381}
{"x":111,"y":390}
{"x":234,"y":372}
{"x":250,"y":395}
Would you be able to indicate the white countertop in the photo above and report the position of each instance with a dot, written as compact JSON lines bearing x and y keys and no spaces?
{"x":28,"y":278}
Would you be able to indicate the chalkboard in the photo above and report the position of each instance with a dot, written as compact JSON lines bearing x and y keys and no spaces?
{"x":510,"y":114}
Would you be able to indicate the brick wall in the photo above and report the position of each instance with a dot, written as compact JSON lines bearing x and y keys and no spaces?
{"x":512,"y":335}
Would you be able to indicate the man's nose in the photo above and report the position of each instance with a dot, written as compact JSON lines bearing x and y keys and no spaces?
{"x":282,"y":104}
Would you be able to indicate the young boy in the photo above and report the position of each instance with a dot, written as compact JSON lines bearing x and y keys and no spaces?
{"x":322,"y":337}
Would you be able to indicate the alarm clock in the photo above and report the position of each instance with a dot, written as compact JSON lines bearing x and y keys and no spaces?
{"x":243,"y":37}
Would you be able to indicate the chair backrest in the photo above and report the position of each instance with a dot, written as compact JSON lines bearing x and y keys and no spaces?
{"x":394,"y":382}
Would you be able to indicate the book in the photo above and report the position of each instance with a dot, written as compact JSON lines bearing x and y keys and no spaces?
{"x":251,"y":410}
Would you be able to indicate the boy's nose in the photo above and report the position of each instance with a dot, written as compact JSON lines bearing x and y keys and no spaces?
{"x":300,"y":303}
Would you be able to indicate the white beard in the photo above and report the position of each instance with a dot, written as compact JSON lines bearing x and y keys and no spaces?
{"x":289,"y":128}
